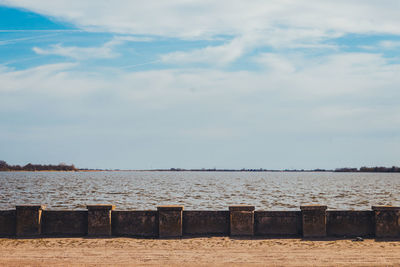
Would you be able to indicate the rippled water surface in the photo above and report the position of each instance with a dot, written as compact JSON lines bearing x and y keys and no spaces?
{"x":199,"y":190}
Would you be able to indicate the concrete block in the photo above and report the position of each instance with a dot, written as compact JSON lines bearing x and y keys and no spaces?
{"x":64,"y":222}
{"x":170,"y":221}
{"x":7,"y":223}
{"x":350,"y":223}
{"x":314,"y":220}
{"x":277,"y":223}
{"x":205,"y":223}
{"x":135,"y":223}
{"x":99,"y":220}
{"x":29,"y":220}
{"x":387,"y":221}
{"x":241,"y":220}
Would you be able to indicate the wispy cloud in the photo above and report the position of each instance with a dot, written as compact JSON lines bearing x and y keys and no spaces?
{"x":238,"y":47}
{"x":220,"y":55}
{"x":78,"y":53}
{"x":23,"y":39}
{"x":276,"y":63}
{"x":83,"y":53}
{"x":40,"y":31}
{"x":140,"y":64}
{"x":389,"y":44}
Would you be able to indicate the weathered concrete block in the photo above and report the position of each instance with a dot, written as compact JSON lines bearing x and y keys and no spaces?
{"x":135,"y":223}
{"x":349,"y":223}
{"x":28,"y":220}
{"x":170,"y":221}
{"x":64,"y":222}
{"x":99,"y":220}
{"x":387,"y":221}
{"x":206,"y":222}
{"x":314,"y":220}
{"x":277,"y":223}
{"x":241,"y":220}
{"x":7,"y":223}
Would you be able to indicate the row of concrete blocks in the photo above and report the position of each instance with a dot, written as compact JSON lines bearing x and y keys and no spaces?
{"x":314,"y":220}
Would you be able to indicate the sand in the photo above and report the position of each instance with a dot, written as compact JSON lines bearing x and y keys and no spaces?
{"x":204,"y":251}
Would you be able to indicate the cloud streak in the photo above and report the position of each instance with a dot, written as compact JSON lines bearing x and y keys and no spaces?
{"x":78,"y":53}
{"x":17,"y":40}
{"x":83,"y":53}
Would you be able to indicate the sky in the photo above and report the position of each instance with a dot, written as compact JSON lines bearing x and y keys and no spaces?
{"x":277,"y":84}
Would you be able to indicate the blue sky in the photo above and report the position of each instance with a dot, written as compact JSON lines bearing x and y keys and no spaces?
{"x":192,"y":84}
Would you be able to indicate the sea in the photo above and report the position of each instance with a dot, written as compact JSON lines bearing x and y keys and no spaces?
{"x":145,"y":190}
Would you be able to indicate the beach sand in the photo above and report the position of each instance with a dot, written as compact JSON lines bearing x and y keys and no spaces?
{"x":204,"y":251}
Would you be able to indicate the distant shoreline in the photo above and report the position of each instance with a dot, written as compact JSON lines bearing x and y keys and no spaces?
{"x":168,"y":170}
{"x":71,"y":168}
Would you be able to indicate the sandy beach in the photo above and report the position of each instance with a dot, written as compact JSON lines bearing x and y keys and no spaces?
{"x":204,"y":251}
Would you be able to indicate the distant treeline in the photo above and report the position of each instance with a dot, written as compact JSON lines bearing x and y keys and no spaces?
{"x":36,"y":167}
{"x":238,"y":170}
{"x":362,"y":169}
{"x":370,"y":169}
{"x":64,"y":167}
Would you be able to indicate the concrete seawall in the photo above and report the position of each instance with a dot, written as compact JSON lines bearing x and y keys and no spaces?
{"x":313,"y":221}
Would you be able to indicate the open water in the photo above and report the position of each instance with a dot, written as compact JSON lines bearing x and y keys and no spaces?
{"x":134,"y":190}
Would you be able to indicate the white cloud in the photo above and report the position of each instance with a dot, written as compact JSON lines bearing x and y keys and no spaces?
{"x":220,"y":55}
{"x":126,"y":38}
{"x":250,"y":24}
{"x":291,"y":107}
{"x":286,"y":89}
{"x":382,"y":45}
{"x":275,"y":63}
{"x":79,"y":53}
{"x":240,"y":45}
{"x":389,"y":44}
{"x":205,"y":18}
{"x":82,"y":53}
{"x":50,"y":80}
